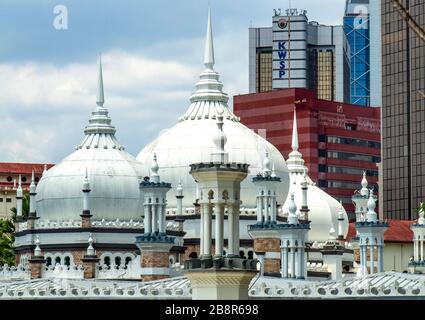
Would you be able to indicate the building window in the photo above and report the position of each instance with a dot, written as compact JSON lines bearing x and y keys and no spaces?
{"x":67,"y":261}
{"x":118,"y":261}
{"x":322,"y":168}
{"x":355,"y":142}
{"x":322,"y":184}
{"x":9,"y":179}
{"x":24,"y":179}
{"x":352,"y":156}
{"x":322,"y":153}
{"x":322,"y":138}
{"x":8,"y":200}
{"x":348,"y":170}
{"x":326,"y":88}
{"x":48,"y":261}
{"x":1,"y":199}
{"x":107,"y":261}
{"x":264,"y":65}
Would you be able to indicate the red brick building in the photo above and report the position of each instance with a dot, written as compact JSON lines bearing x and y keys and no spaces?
{"x":338,"y":141}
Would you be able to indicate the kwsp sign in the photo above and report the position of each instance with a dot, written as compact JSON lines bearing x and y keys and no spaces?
{"x":282,"y":52}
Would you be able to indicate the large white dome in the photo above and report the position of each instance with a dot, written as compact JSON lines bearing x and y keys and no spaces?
{"x":113,"y":174}
{"x":191,"y":141}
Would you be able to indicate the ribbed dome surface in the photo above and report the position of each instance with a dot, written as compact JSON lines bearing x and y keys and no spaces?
{"x":113,"y":175}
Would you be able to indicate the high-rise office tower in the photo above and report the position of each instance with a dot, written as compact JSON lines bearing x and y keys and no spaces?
{"x":296,"y":53}
{"x":403,"y":110}
{"x":362,"y":27}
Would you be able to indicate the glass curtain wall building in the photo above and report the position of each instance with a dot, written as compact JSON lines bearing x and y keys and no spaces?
{"x":356,"y":28}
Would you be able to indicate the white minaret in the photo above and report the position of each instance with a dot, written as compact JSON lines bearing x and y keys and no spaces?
{"x":179,"y":197}
{"x":86,"y":191}
{"x":155,"y":201}
{"x":45,"y":170}
{"x":418,"y":229}
{"x":340,"y":222}
{"x":266,"y":183}
{"x":19,"y":197}
{"x":371,"y":234}
{"x":32,"y":212}
{"x":295,"y":162}
{"x":304,"y":188}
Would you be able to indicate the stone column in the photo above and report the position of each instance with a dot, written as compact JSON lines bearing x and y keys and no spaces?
{"x":201,"y":232}
{"x":380,"y":258}
{"x":284,"y":262}
{"x":415,"y":249}
{"x":148,"y":218}
{"x":232,"y":222}
{"x":154,"y":218}
{"x":300,"y":274}
{"x":164,"y":218}
{"x":293,"y":261}
{"x":161,"y":221}
{"x":37,"y":264}
{"x":266,"y":209}
{"x":259,"y":213}
{"x":261,"y":208}
{"x":219,"y":226}
{"x":274,"y":209}
{"x":371,"y":259}
{"x":422,"y":250}
{"x":207,"y":208}
{"x":235,"y":230}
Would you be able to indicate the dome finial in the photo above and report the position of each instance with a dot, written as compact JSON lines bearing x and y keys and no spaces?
{"x":100,"y":100}
{"x":220,"y":139}
{"x":209,"y":45}
{"x":364,"y":191}
{"x":266,"y":165}
{"x":292,"y":217}
{"x":421,"y":219}
{"x":90,"y":249}
{"x":37,"y":250}
{"x":295,"y":132}
{"x":341,"y":210}
{"x":154,"y":169}
{"x":371,"y":204}
{"x":86,"y":184}
{"x":273,"y":175}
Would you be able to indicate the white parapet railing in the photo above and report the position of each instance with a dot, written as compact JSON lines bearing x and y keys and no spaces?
{"x":20,"y":272}
{"x":57,"y":224}
{"x":135,"y":224}
{"x":63,"y":271}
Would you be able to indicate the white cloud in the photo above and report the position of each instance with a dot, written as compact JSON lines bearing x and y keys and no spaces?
{"x":44,"y":107}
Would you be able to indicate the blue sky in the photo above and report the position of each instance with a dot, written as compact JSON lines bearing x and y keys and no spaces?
{"x":152,"y":57}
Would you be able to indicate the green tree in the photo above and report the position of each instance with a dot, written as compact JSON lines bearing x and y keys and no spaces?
{"x":421,"y":208}
{"x":7,"y":228}
{"x":7,"y":254}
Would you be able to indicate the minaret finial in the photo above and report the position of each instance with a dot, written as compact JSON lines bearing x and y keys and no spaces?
{"x":154,"y":169}
{"x":209,"y":45}
{"x":295,"y":132}
{"x":273,"y":175}
{"x":90,"y":249}
{"x":292,"y":217}
{"x":100,"y":100}
{"x":220,"y":139}
{"x":266,"y":165}
{"x":371,"y":204}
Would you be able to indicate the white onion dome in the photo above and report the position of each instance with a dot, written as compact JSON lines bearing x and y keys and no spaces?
{"x":113,"y":173}
{"x":324,"y":209}
{"x":190,"y":140}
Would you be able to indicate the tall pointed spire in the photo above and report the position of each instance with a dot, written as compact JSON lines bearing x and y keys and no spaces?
{"x":295,"y":160}
{"x":100,"y":100}
{"x":295,"y":132}
{"x":209,"y":45}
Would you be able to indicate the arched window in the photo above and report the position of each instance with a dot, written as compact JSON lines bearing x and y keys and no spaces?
{"x":118,"y":261}
{"x":193,"y":255}
{"x":127,"y":260}
{"x":67,"y":261}
{"x":58,"y":260}
{"x":250,"y":254}
{"x":48,"y":261}
{"x":107,"y":261}
{"x":242,"y":254}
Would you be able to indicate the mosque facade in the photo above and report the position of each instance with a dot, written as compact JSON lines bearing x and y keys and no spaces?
{"x":218,"y":200}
